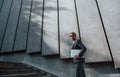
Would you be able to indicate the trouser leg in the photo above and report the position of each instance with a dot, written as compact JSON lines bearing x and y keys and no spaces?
{"x":80,"y":70}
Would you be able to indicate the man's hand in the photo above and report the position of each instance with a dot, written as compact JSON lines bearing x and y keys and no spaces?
{"x":77,"y":56}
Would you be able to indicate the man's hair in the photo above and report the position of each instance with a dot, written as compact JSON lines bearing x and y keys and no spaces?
{"x":73,"y":33}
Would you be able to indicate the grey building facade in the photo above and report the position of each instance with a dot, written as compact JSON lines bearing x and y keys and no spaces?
{"x":36,"y":32}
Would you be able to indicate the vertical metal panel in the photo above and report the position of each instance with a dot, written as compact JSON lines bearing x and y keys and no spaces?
{"x":92,"y":33}
{"x":3,"y":18}
{"x":21,"y":35}
{"x":1,"y":1}
{"x":110,"y":11}
{"x":34,"y":38}
{"x":50,"y":28}
{"x":1,"y":4}
{"x":11,"y":27}
{"x":68,"y":23}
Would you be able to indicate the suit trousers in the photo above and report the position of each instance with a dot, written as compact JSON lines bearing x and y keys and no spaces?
{"x":80,"y":69}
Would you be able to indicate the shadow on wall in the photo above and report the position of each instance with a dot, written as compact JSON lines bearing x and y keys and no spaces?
{"x":36,"y":20}
{"x":36,"y":15}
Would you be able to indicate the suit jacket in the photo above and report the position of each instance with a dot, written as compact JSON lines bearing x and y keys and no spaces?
{"x":79,"y":45}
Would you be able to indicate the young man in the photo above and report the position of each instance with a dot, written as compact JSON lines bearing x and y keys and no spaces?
{"x":78,"y":59}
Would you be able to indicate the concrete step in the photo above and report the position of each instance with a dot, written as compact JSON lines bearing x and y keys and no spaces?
{"x":42,"y":73}
{"x":22,"y":75}
{"x":13,"y":68}
{"x":9,"y":69}
{"x":19,"y":71}
{"x":12,"y":64}
{"x":47,"y":76}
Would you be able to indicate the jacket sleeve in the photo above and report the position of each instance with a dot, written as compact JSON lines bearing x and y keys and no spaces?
{"x":83,"y":48}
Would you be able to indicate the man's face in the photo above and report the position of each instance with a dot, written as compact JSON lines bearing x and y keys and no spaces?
{"x":73,"y":36}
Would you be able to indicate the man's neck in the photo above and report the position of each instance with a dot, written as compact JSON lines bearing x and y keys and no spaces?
{"x":74,"y":39}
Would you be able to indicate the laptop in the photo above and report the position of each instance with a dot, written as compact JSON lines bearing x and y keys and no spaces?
{"x":74,"y":52}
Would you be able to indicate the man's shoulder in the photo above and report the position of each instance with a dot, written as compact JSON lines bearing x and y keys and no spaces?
{"x":78,"y":40}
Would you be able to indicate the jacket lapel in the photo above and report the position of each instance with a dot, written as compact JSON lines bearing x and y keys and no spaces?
{"x":74,"y":44}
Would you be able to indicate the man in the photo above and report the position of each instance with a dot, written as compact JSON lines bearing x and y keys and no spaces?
{"x":78,"y":59}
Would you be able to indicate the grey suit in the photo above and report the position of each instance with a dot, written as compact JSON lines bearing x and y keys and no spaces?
{"x":79,"y":61}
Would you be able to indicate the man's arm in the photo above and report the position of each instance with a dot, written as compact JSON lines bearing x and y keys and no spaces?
{"x":83,"y":48}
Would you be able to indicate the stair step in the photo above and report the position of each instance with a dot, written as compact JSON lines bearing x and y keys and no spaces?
{"x":21,"y":71}
{"x":13,"y":68}
{"x":46,"y":76}
{"x":11,"y":64}
{"x":49,"y":75}
{"x":42,"y":73}
{"x":10,"y":69}
{"x":21,"y":75}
